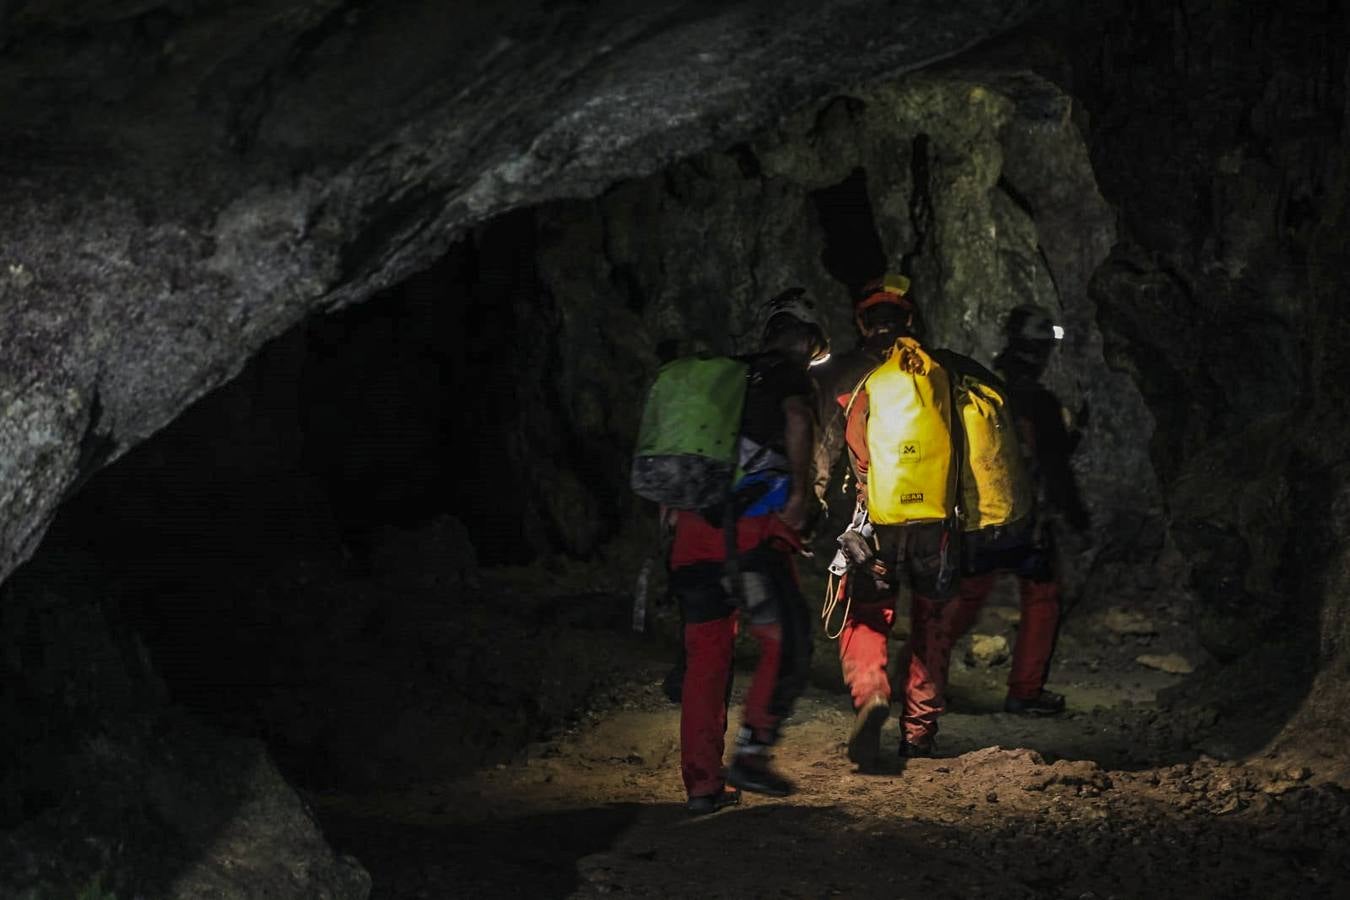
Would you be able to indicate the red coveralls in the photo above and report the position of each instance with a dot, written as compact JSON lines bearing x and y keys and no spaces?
{"x":1037,"y":586}
{"x":1035,"y":631}
{"x":935,"y":625}
{"x":780,"y":674}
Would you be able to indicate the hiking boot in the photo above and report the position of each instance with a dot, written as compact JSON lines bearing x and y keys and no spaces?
{"x":751,"y":772}
{"x":711,"y":803}
{"x":864,"y":741}
{"x":1046,"y":703}
{"x":923,"y":748}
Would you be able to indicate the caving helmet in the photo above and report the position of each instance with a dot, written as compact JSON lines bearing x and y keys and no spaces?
{"x":1032,"y":335}
{"x":1032,"y":325}
{"x":793,"y":309}
{"x":884,"y":306}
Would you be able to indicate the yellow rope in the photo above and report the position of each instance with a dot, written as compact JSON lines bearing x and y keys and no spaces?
{"x":832,"y":591}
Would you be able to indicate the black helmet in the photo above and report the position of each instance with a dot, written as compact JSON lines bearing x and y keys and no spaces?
{"x":1032,"y":325}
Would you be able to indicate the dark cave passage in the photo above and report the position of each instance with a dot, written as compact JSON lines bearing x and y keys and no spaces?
{"x":853,"y":253}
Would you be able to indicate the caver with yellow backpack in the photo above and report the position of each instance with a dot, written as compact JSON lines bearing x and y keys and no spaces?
{"x":931,"y":445}
{"x":1028,"y":548}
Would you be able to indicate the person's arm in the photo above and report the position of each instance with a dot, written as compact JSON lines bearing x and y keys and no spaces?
{"x":855,"y":434}
{"x":829,"y":441}
{"x":801,"y":423}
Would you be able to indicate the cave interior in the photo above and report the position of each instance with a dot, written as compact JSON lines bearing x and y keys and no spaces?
{"x":321,"y":558}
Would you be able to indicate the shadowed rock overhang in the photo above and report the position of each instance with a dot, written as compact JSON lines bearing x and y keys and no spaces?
{"x":181,"y":182}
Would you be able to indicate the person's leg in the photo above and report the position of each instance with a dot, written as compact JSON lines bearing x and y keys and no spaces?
{"x":971,"y":595}
{"x":863,"y":640}
{"x":770,"y":599}
{"x":797,"y":648}
{"x":934,"y":619}
{"x":863,"y":651}
{"x":923,"y":698}
{"x":1032,"y":652}
{"x":947,"y":622}
{"x":709,"y":634}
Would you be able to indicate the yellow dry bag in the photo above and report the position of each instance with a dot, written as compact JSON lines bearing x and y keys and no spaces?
{"x":911,"y":477}
{"x":995,"y":489}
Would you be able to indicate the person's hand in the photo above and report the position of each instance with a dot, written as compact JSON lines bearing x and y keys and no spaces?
{"x":794,"y":513}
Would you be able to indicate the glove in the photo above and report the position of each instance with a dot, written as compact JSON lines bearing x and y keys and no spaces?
{"x":856,"y":548}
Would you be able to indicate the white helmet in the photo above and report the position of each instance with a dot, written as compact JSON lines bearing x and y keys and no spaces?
{"x":796,"y":304}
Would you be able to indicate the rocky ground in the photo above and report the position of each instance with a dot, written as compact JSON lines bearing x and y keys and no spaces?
{"x":1136,"y":791}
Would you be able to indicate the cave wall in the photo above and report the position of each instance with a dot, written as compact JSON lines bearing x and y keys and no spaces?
{"x":252,"y":171}
{"x":1218,"y":132}
{"x":261,"y":161}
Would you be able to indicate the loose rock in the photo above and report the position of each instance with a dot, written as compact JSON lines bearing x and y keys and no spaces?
{"x":1174,"y":663}
{"x":1127,"y":622}
{"x":987,"y":650}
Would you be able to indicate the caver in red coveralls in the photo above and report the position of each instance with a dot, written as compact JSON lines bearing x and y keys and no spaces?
{"x":928,"y":553}
{"x":1029,"y":551}
{"x":759,"y":581}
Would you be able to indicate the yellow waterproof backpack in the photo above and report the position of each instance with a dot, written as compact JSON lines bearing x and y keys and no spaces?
{"x":995,"y":489}
{"x":911,"y":477}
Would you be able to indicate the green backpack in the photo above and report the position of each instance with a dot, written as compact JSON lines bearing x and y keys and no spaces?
{"x":687,"y":449}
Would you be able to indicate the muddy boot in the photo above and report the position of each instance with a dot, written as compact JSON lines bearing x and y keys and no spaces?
{"x":1046,"y":703}
{"x":920,"y":748}
{"x":864,"y":741}
{"x":750,"y":771}
{"x":711,"y":803}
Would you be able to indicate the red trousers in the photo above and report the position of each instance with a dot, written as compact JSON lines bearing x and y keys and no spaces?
{"x":703,"y":703}
{"x":1035,"y":632}
{"x":778,"y":620}
{"x":934,"y":628}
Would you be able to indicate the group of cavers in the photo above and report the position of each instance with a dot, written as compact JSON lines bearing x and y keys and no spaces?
{"x":959,"y":475}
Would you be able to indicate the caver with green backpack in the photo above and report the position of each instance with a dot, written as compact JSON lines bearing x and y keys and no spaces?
{"x":726,"y":443}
